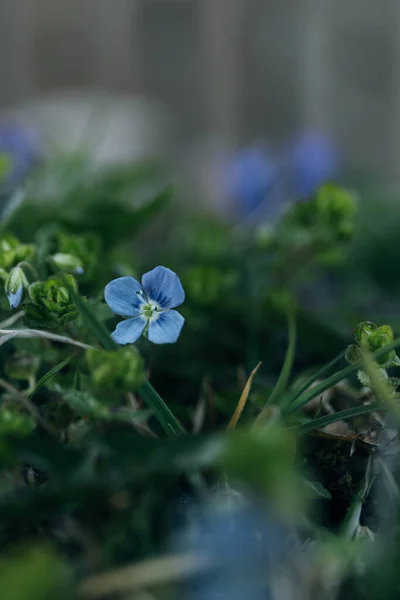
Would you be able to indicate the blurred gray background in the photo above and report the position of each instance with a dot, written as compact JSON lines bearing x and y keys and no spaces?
{"x":236,"y":70}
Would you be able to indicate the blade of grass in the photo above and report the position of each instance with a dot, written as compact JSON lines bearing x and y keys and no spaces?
{"x":348,"y":413}
{"x":243,"y":399}
{"x":317,"y":375}
{"x":336,"y":377}
{"x":48,"y":376}
{"x":166,"y":418}
{"x":277,"y":393}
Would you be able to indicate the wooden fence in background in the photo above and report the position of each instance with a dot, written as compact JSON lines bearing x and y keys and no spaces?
{"x":242,"y":69}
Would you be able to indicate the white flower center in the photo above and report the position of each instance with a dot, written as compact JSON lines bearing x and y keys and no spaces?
{"x":150,"y":310}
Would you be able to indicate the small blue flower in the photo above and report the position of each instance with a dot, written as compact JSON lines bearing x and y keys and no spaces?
{"x":313,"y":160}
{"x":19,"y":150}
{"x":148,"y":305}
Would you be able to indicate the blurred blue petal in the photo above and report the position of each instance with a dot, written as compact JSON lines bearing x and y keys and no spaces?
{"x":165,"y":329}
{"x":123,"y":296}
{"x":164,"y":287}
{"x":129,"y":331}
{"x":313,"y":160}
{"x":15,"y":299}
{"x":250,"y":176}
{"x":19,"y":150}
{"x":242,"y":546}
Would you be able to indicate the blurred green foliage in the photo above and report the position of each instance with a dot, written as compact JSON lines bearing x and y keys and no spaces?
{"x":98,"y":469}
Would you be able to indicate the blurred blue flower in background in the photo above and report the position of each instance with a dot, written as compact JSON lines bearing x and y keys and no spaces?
{"x":256,"y":183}
{"x":250,"y":177}
{"x":148,"y":304}
{"x":19,"y":151}
{"x":242,"y":546}
{"x":312,"y":159}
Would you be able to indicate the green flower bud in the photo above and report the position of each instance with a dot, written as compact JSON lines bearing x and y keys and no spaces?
{"x":51,"y":296}
{"x":335,"y":204}
{"x":21,"y":365}
{"x":68,"y":263}
{"x":121,"y":370}
{"x":12,"y":252}
{"x":84,"y":248}
{"x":378,"y":339}
{"x":363,"y":330}
{"x":14,"y":423}
{"x":372,"y":338}
{"x":14,"y":287}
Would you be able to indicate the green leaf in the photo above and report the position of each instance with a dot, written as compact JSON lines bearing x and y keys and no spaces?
{"x":167,"y":420}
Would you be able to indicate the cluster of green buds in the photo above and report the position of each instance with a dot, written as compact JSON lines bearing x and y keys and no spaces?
{"x":121,"y":370}
{"x":319,"y":225}
{"x":51,"y":300}
{"x":370,"y":339}
{"x":14,"y":261}
{"x":13,"y":252}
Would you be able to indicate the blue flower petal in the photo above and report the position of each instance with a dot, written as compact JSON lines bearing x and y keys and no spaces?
{"x":129,"y":331}
{"x":166,"y":328}
{"x":163,"y":286}
{"x":15,"y":299}
{"x":123,"y":296}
